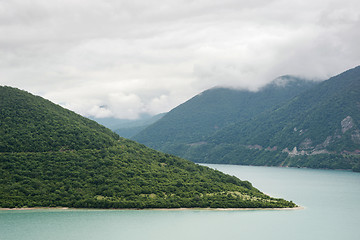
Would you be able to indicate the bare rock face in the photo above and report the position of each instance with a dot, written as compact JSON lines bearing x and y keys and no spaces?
{"x":271,"y":149}
{"x":327,"y":141}
{"x":306,"y":144}
{"x":256,"y":146}
{"x":294,"y":152}
{"x":346,"y":124}
{"x":323,"y":145}
{"x":356,"y":136}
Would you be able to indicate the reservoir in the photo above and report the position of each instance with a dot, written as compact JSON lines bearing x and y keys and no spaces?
{"x":330,"y":200}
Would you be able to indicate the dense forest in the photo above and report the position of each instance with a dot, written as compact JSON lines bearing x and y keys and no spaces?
{"x":32,"y":124}
{"x":212,"y":110}
{"x":50,"y":157}
{"x":318,"y":128}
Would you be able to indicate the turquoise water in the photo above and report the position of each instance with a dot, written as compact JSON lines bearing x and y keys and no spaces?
{"x":331,"y":200}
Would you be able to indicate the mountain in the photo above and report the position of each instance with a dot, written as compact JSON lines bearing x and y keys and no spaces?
{"x":32,"y":124}
{"x":128,"y":128}
{"x":132,"y":128}
{"x":317,"y":128}
{"x":118,"y":123}
{"x":50,"y":156}
{"x":194,"y":121}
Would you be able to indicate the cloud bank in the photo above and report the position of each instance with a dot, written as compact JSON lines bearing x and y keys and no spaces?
{"x":120,"y":58}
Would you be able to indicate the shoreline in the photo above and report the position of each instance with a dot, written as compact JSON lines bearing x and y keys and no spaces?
{"x":278,"y":166}
{"x":151,"y":209}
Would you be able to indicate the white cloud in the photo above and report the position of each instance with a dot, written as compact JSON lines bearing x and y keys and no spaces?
{"x":124,"y":58}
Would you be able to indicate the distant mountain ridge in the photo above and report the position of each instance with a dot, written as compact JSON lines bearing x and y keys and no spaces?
{"x":317,"y":127}
{"x":128,"y":128}
{"x":197,"y":119}
{"x":50,"y":156}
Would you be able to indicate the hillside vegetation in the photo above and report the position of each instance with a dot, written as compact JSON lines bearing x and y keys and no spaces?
{"x":197,"y":119}
{"x":50,"y":156}
{"x":318,"y":127}
{"x":32,"y":124}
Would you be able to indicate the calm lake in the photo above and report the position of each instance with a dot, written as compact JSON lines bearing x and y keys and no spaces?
{"x":331,"y":200}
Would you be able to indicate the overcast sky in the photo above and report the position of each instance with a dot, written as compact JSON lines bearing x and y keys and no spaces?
{"x":121,"y":58}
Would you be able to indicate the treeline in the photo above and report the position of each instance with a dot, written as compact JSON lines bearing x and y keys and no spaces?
{"x":32,"y":124}
{"x":323,"y":118}
{"x":50,"y":156}
{"x":200,"y":117}
{"x":125,"y":176}
{"x":245,"y":155}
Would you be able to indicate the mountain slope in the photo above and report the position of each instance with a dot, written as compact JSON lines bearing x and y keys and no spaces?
{"x":32,"y":124}
{"x":195,"y":120}
{"x":134,"y":127}
{"x":51,"y":156}
{"x":319,"y":128}
{"x":128,"y":128}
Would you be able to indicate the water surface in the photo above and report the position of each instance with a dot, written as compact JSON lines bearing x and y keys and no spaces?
{"x":331,"y":200}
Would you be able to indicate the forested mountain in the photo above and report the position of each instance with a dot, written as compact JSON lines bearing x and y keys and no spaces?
{"x":318,"y":128}
{"x":32,"y":124}
{"x":194,"y":121}
{"x":50,"y":156}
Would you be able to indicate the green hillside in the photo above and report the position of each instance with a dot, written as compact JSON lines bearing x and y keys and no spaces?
{"x":50,"y":156}
{"x":33,"y":124}
{"x":195,"y":120}
{"x":319,"y":128}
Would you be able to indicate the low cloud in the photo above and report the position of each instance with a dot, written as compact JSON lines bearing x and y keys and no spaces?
{"x":125,"y":58}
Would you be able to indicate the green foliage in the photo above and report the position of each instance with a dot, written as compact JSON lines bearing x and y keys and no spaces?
{"x":33,"y":124}
{"x":51,"y":157}
{"x":124,"y":176}
{"x":316,"y":115}
{"x":203,"y":115}
{"x":310,"y":120}
{"x":356,"y":168}
{"x":237,"y":154}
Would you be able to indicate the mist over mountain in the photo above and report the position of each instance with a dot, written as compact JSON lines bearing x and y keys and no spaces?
{"x":316,"y":127}
{"x":128,"y":128}
{"x":197,"y":119}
